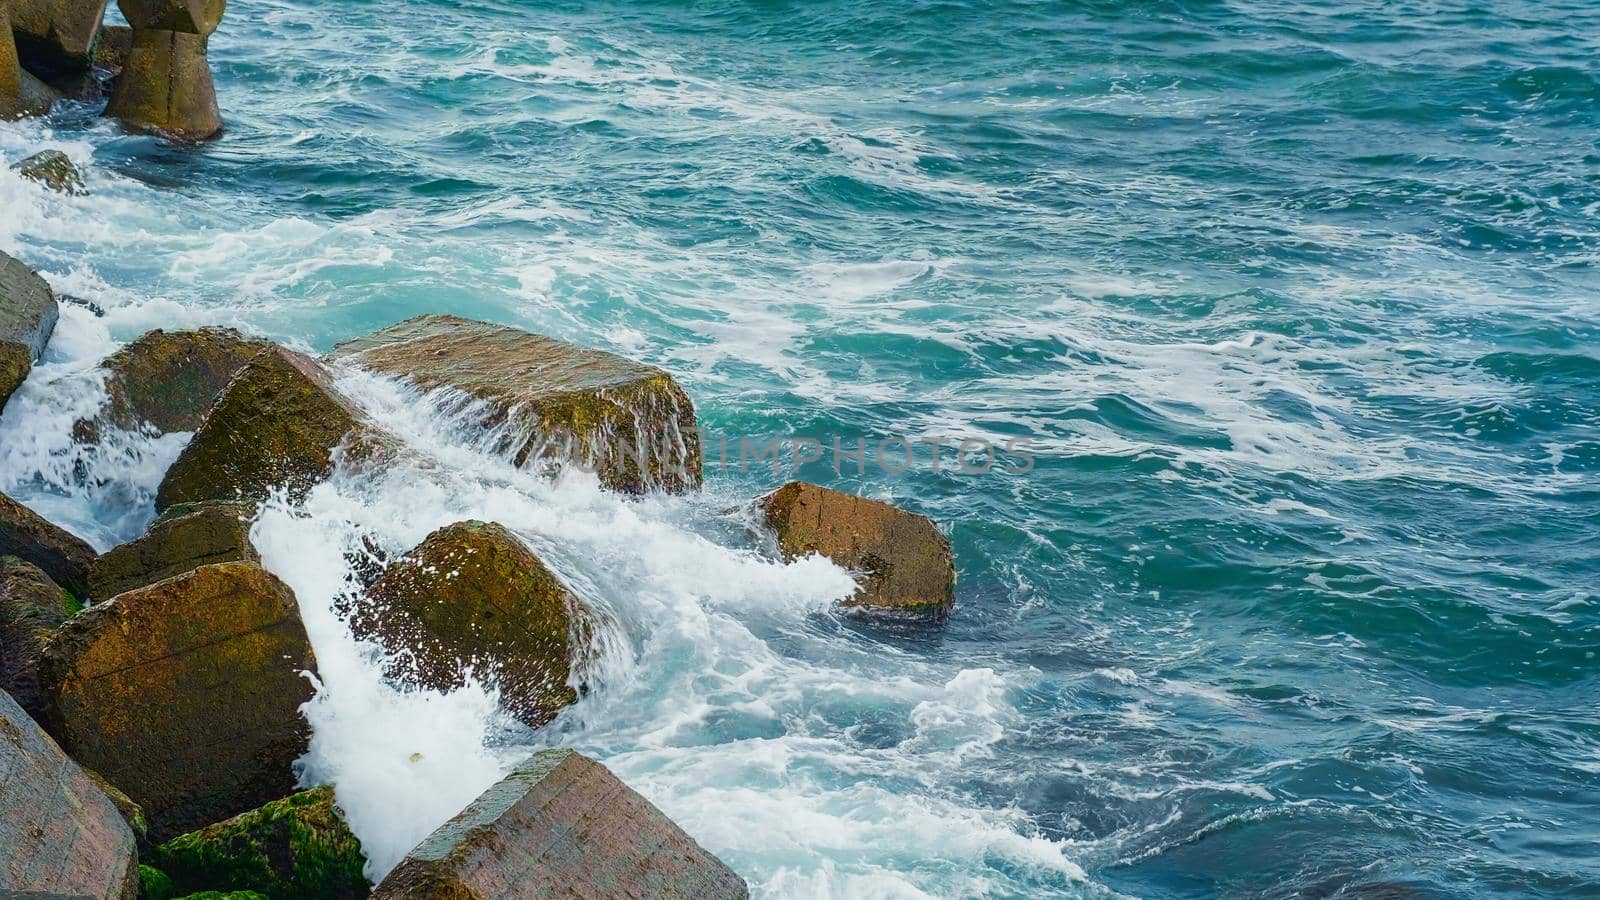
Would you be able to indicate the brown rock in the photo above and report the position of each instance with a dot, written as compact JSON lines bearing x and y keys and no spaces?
{"x":186,"y":694}
{"x":57,"y":36}
{"x":26,"y":534}
{"x":277,"y":424}
{"x":902,"y":559}
{"x":59,"y":835}
{"x":171,"y":379}
{"x":21,"y":94}
{"x":28,"y":314}
{"x":31,"y":608}
{"x":561,"y":825}
{"x":165,"y":84}
{"x":629,"y":422}
{"x":111,"y":53}
{"x":183,"y":539}
{"x":473,"y":595}
{"x":54,"y":170}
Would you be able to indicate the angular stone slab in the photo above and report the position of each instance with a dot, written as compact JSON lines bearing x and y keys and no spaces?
{"x":278,"y":423}
{"x":186,"y":694}
{"x":32,"y":607}
{"x":59,"y":835}
{"x":170,"y":379}
{"x":28,"y":314}
{"x":473,"y":595}
{"x":561,"y":825}
{"x":903,"y":560}
{"x":297,"y":848}
{"x":57,"y":36}
{"x":165,"y":84}
{"x":563,"y":403}
{"x":29,"y":536}
{"x":183,"y":539}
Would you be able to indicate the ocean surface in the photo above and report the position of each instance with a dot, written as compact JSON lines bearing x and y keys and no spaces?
{"x":1295,"y":304}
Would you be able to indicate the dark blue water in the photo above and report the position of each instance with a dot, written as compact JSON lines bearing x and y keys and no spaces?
{"x":1295,"y":303}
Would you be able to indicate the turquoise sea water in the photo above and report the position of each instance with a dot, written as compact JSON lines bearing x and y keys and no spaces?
{"x":1297,"y":304}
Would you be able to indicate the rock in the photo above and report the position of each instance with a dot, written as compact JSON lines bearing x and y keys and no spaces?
{"x":111,"y":53}
{"x":184,"y":538}
{"x":21,"y":94}
{"x":561,"y":825}
{"x":25,"y":534}
{"x":54,"y":170}
{"x":31,"y":607}
{"x":297,"y":848}
{"x":28,"y":314}
{"x":903,"y":560}
{"x":277,"y":424}
{"x":170,"y":379}
{"x":165,"y":84}
{"x":131,"y":812}
{"x":564,"y":402}
{"x":473,"y":594}
{"x":186,"y":694}
{"x":57,"y":36}
{"x":59,"y":835}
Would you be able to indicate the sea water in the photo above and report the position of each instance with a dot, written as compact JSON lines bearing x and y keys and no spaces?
{"x":1294,"y":305}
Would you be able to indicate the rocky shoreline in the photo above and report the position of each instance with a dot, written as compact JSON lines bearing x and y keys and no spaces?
{"x":151,"y":696}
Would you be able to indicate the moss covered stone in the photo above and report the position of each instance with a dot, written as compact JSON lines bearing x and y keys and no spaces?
{"x":631,"y":423}
{"x":165,"y":84}
{"x":472,"y":595}
{"x":63,"y":556}
{"x":57,"y":36}
{"x":170,"y":379}
{"x":59,"y":835}
{"x":31,"y":608}
{"x":54,"y":170}
{"x":277,"y":424}
{"x":184,"y":538}
{"x":28,"y":314}
{"x":297,"y":848}
{"x":186,"y":694}
{"x":902,"y":559}
{"x":560,"y":825}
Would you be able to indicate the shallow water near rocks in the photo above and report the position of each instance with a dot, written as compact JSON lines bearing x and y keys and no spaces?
{"x":1297,"y":303}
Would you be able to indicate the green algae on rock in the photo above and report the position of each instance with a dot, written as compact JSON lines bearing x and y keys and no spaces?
{"x":170,"y":379}
{"x":165,"y":84}
{"x":63,"y":556}
{"x":186,"y":694}
{"x":297,"y":848}
{"x":902,"y":558}
{"x":629,"y":422}
{"x":28,"y":314}
{"x":278,"y":423}
{"x":472,"y":595}
{"x":32,"y":607}
{"x":59,"y":835}
{"x":184,"y":538}
{"x":561,"y":825}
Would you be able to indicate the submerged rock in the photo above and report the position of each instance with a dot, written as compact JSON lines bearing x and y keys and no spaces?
{"x":183,"y":539}
{"x":277,"y":424}
{"x":903,"y":560}
{"x":29,"y":536}
{"x":472,"y":595}
{"x":629,"y":422}
{"x":31,"y":608}
{"x":21,"y":94}
{"x":59,"y":835}
{"x":28,"y":314}
{"x":186,"y":694}
{"x":57,"y":36}
{"x":169,"y":380}
{"x":54,"y":170}
{"x":561,"y":825}
{"x":297,"y":848}
{"x":165,"y":83}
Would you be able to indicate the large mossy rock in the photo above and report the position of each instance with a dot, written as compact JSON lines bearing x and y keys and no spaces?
{"x":59,"y":835}
{"x":165,"y":83}
{"x":63,"y":556}
{"x":21,"y":94}
{"x":57,"y":36}
{"x":561,"y":825}
{"x":186,"y":694}
{"x":297,"y":848}
{"x":629,"y":422}
{"x":278,"y":423}
{"x":28,"y":314}
{"x":472,"y":595}
{"x":184,"y":538}
{"x":903,"y":560}
{"x":32,"y":607}
{"x":170,"y":379}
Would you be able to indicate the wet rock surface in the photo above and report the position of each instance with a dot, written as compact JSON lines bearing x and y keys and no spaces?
{"x":560,"y":825}
{"x":165,"y":85}
{"x":57,"y":37}
{"x":169,"y":380}
{"x":54,"y":170}
{"x":186,"y":693}
{"x":32,"y":607}
{"x":183,"y":539}
{"x":62,"y":555}
{"x":28,"y":314}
